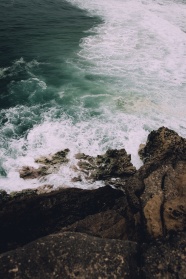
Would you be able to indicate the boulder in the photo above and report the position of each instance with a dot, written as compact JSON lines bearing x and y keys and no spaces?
{"x":157,"y":191}
{"x":27,"y":217}
{"x":163,"y":144}
{"x":71,"y":255}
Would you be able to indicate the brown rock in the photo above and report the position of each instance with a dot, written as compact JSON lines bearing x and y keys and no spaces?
{"x":162,"y":144}
{"x":50,"y":164}
{"x":25,"y":218}
{"x":108,"y":224}
{"x":57,"y":158}
{"x":114,"y":163}
{"x":152,"y":214}
{"x":165,"y":258}
{"x":71,"y":255}
{"x":164,"y":178}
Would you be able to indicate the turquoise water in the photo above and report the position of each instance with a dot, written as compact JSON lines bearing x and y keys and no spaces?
{"x":87,"y":76}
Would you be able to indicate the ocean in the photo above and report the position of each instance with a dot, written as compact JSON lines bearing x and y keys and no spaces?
{"x":88,"y":76}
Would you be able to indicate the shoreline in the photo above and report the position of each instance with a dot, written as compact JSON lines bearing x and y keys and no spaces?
{"x":137,"y":220}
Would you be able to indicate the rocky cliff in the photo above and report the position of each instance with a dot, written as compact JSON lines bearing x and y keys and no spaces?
{"x":133,"y":227}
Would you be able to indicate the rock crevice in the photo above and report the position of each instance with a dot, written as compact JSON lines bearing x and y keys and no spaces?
{"x":133,"y":227}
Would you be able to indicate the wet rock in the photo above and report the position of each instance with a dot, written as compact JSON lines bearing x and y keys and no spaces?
{"x":149,"y":209}
{"x":25,"y":218}
{"x":57,"y":158}
{"x":71,"y":255}
{"x":76,"y":179}
{"x":27,"y":193}
{"x":50,"y":164}
{"x":44,"y":189}
{"x":29,"y":172}
{"x":114,"y":163}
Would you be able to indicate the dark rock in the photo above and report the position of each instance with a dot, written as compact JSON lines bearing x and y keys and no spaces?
{"x":29,"y":172}
{"x":4,"y":197}
{"x":149,"y":209}
{"x":71,"y":255}
{"x":27,"y":193}
{"x":165,"y":258}
{"x":114,"y":163}
{"x":107,"y":224}
{"x":134,"y":187}
{"x":25,"y":218}
{"x":163,"y":144}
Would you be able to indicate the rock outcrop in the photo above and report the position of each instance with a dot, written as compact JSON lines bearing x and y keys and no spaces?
{"x":28,"y":216}
{"x":71,"y":255}
{"x":134,"y":229}
{"x":163,"y":200}
{"x":48,"y":164}
{"x":114,"y":163}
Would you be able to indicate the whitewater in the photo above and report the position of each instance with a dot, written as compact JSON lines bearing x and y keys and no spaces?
{"x":127,"y":78}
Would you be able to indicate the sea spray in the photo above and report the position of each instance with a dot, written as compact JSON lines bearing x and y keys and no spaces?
{"x":124,"y":77}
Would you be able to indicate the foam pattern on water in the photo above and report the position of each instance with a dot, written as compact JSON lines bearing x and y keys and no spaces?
{"x":141,"y":42}
{"x":133,"y":71}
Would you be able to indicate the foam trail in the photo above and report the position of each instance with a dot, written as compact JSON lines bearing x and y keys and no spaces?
{"x":132,"y":70}
{"x":140,"y":52}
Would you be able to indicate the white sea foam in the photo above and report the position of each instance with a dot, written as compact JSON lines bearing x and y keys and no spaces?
{"x":19,"y":65}
{"x":139,"y":54}
{"x":91,"y":136}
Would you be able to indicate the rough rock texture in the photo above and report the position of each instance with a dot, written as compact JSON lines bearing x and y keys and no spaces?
{"x":25,"y":218}
{"x":114,"y":163}
{"x":57,"y":158}
{"x":163,"y":144}
{"x":150,"y":209}
{"x":165,"y":258}
{"x":158,"y":190}
{"x":158,"y":193}
{"x":50,"y":164}
{"x":108,"y":224}
{"x":71,"y":255}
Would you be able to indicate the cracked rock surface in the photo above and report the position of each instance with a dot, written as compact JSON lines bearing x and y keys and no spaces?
{"x":134,"y":229}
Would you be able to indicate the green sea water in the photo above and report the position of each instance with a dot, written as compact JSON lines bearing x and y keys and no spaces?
{"x":87,"y":76}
